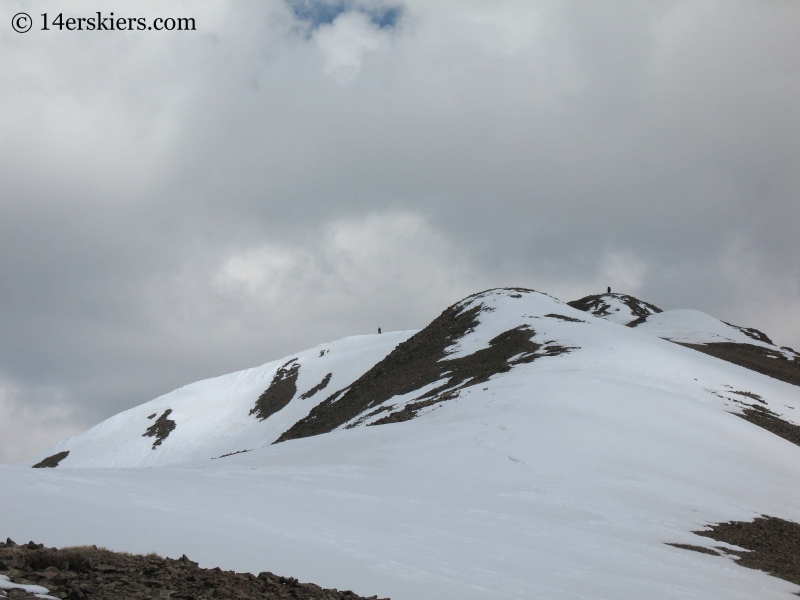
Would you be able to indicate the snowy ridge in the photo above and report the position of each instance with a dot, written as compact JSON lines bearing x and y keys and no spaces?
{"x":683,"y":326}
{"x":526,"y":449}
{"x":695,"y":327}
{"x":212,"y":417}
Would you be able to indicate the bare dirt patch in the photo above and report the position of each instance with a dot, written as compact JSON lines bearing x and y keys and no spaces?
{"x":773,"y":544}
{"x":756,"y":358}
{"x":766,"y":419}
{"x":750,"y":395}
{"x":700,"y":549}
{"x":161,"y":428}
{"x":51,"y":462}
{"x":317,"y":388}
{"x":762,"y":416}
{"x":417,"y":363}
{"x":564,"y":318}
{"x":279,"y":393}
{"x":636,"y":322}
{"x":411,"y":410}
{"x":752,"y":332}
{"x":231,"y":454}
{"x":88,"y":572}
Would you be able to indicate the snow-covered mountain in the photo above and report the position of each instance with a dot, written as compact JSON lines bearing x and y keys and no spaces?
{"x":743,"y":346}
{"x":241,"y":411}
{"x":516,"y":447}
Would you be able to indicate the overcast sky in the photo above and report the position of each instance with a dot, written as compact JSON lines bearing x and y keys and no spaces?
{"x":179,"y":205}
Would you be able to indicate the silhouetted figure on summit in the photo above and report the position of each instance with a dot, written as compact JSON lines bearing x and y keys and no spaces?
{"x":609,"y":289}
{"x":379,"y":329}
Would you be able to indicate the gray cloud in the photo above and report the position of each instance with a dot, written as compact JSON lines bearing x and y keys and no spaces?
{"x":180,"y":205}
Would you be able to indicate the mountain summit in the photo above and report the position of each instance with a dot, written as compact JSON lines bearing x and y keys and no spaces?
{"x":376,"y":380}
{"x":619,"y":308}
{"x":516,"y":447}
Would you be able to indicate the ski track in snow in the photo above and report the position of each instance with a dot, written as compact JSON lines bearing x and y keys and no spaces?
{"x":560,"y":479}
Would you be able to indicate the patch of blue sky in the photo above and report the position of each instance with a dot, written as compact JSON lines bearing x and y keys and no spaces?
{"x":323,"y":12}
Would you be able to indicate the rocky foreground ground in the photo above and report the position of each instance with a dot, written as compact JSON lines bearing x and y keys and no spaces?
{"x":95,"y":573}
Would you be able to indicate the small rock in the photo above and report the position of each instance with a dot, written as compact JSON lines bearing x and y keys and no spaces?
{"x":74,"y":593}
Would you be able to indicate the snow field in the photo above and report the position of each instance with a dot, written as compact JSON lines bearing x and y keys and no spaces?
{"x":563,"y":479}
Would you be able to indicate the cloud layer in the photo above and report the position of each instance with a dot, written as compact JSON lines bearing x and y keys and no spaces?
{"x":177,"y":205}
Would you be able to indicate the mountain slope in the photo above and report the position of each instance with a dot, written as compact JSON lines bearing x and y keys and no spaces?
{"x":515,"y":448}
{"x":746,"y":347}
{"x":226,"y":414}
{"x":427,"y":369}
{"x":743,"y":346}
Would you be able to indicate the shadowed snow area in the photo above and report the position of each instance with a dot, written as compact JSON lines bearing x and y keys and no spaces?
{"x":559,"y":466}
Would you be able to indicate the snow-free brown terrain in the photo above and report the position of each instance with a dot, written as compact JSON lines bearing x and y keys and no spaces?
{"x":88,"y":572}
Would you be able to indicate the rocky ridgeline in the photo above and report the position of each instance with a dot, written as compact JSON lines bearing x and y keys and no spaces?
{"x":88,"y":572}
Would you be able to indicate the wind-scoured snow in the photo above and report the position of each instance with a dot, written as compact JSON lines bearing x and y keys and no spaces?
{"x":561,"y":477}
{"x":212,"y":417}
{"x":695,"y":327}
